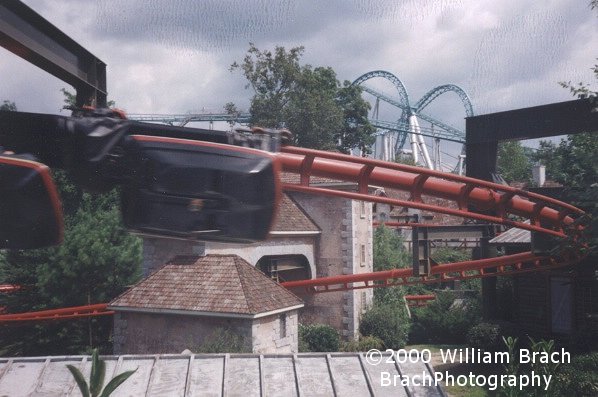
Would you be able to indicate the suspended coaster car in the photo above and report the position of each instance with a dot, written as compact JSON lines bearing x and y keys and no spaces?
{"x":203,"y":190}
{"x":30,"y":210}
{"x":175,"y":182}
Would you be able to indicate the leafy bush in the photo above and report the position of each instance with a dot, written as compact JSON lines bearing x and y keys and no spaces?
{"x":318,"y":338}
{"x":484,"y":336}
{"x":488,"y":336}
{"x":364,"y":344}
{"x":224,"y":341}
{"x":388,"y":322}
{"x":580,"y":377}
{"x":577,"y":378}
{"x":389,"y":251}
{"x":445,"y":320}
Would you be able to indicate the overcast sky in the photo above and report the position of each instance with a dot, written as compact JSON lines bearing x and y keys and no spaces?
{"x":173,"y":56}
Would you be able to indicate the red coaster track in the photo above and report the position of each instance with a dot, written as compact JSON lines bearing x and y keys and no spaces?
{"x":500,"y":205}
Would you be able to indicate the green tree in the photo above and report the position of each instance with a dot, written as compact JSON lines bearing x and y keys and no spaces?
{"x":8,"y":106}
{"x":321,"y":112}
{"x":512,"y":163}
{"x":231,"y":109}
{"x":388,"y":322}
{"x":318,"y":338}
{"x":405,"y":159}
{"x":97,"y":260}
{"x":389,"y":253}
{"x":574,"y":164}
{"x":70,"y":100}
{"x":389,"y":250}
{"x":445,"y":320}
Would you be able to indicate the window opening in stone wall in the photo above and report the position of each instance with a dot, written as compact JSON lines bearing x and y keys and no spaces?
{"x":362,"y":259}
{"x":283,"y":325}
{"x":281,"y":268}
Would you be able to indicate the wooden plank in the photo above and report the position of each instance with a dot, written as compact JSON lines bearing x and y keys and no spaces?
{"x":243,"y":376}
{"x":279,"y":376}
{"x":313,"y":372}
{"x":170,"y":377}
{"x":21,"y":377}
{"x":206,"y":376}
{"x":137,"y":384}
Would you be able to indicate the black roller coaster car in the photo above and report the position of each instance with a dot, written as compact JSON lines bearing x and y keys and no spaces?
{"x":199,"y":190}
{"x":176,"y":182}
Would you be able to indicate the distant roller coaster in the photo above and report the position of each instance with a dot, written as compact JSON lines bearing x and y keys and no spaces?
{"x":391,"y":136}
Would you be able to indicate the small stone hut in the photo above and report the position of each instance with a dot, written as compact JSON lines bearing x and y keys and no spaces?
{"x":194,"y":298}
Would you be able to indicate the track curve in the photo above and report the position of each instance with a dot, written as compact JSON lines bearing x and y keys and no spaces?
{"x":545,"y":215}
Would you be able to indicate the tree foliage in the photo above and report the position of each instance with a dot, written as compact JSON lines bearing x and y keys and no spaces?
{"x":445,"y":320}
{"x":318,"y":338}
{"x":387,"y":321}
{"x":8,"y":106}
{"x":97,"y":261}
{"x":513,"y":164}
{"x":389,"y":250}
{"x":389,"y":253}
{"x":574,"y":164}
{"x":309,"y":101}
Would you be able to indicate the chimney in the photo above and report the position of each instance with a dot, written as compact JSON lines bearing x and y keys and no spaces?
{"x":539,"y":175}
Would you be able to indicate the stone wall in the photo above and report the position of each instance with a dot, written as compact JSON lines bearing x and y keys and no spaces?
{"x":358,"y":301}
{"x":345,"y":247}
{"x":268,"y":335}
{"x":158,"y":251}
{"x":279,"y":245}
{"x":157,"y":333}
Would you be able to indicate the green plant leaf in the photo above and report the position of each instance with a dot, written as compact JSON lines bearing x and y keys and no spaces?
{"x":98,"y":371}
{"x":80,"y":380}
{"x":115,"y":382}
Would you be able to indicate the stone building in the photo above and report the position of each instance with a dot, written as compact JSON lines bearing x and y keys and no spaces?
{"x":312,"y":236}
{"x":345,"y":247}
{"x":191,"y":299}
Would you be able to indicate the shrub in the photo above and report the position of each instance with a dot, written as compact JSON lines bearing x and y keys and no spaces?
{"x":488,"y":336}
{"x":364,"y":344}
{"x":224,"y":341}
{"x":484,"y":336}
{"x":318,"y":338}
{"x":388,"y":322}
{"x":580,"y":377}
{"x":445,"y":320}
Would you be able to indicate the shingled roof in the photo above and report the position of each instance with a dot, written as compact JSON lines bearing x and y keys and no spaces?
{"x":209,"y":285}
{"x":291,"y":218}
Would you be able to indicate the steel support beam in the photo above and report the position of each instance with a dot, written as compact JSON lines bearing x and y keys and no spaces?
{"x":484,"y":132}
{"x":571,"y":117}
{"x":30,"y":36}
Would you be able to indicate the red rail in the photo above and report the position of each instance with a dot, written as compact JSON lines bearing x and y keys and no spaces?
{"x":99,"y":309}
{"x":418,"y":300}
{"x":500,"y":204}
{"x":546,"y":214}
{"x":7,"y":288}
{"x":504,"y":265}
{"x":406,"y":224}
